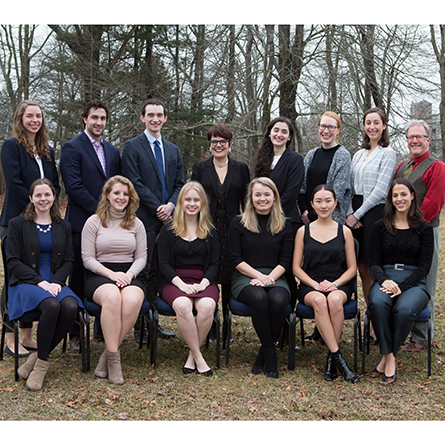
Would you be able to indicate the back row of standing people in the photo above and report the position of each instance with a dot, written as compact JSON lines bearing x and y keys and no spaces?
{"x":155,"y":167}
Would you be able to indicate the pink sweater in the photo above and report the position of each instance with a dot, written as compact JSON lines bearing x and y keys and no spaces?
{"x":113,"y":244}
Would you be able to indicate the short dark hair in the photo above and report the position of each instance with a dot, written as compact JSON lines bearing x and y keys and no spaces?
{"x":95,"y":104}
{"x":152,"y":101}
{"x":220,"y":131}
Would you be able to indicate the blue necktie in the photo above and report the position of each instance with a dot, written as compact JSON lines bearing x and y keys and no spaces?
{"x":159,"y":161}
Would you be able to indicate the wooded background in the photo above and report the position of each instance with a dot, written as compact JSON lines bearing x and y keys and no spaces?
{"x":240,"y":75}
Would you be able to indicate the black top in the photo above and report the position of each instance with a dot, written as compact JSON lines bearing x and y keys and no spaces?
{"x":260,"y":249}
{"x":173,"y":252}
{"x":409,"y":247}
{"x":317,"y":173}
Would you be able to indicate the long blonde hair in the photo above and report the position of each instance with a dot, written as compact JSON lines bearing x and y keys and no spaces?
{"x":249,"y":218}
{"x":204,"y":220}
{"x":103,"y":208}
{"x":19,"y":131}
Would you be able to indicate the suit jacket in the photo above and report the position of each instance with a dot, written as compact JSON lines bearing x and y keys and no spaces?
{"x":140,"y":167}
{"x":236,"y":181}
{"x":20,"y":171}
{"x":84,"y":177}
{"x":288,"y":176}
{"x":23,"y":252}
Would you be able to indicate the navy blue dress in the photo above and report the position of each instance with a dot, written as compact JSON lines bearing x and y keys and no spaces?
{"x":24,"y":297}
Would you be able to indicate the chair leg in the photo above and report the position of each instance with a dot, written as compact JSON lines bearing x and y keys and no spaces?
{"x":85,"y":367}
{"x":16,"y":351}
{"x":302,"y":332}
{"x":229,"y":330}
{"x":218,"y":340}
{"x":365,"y":347}
{"x":292,"y":328}
{"x":429,"y":347}
{"x":87,"y":341}
{"x":154,"y":337}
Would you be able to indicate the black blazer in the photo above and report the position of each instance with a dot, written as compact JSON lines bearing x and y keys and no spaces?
{"x":140,"y":167}
{"x":84,"y":177}
{"x":20,"y":171}
{"x":236,"y":181}
{"x":288,"y":176}
{"x":23,"y":252}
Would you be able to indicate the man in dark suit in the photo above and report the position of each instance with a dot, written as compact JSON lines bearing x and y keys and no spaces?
{"x":154,"y":166}
{"x":86,"y":162}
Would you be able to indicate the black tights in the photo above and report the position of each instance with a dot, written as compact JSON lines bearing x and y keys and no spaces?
{"x":268,"y":311}
{"x":56,"y":320}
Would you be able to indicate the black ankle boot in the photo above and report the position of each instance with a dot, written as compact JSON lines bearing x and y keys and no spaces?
{"x":330,"y":372}
{"x":258,"y":366}
{"x":270,"y":362}
{"x":343,"y":368}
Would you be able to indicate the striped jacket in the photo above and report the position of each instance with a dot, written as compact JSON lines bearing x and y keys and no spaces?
{"x":377,"y":176}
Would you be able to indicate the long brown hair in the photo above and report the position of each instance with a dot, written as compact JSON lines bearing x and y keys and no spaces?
{"x":204,"y":220}
{"x":30,"y":212}
{"x":19,"y":131}
{"x":264,"y":155}
{"x":415,"y":217}
{"x":384,"y":140}
{"x":103,"y":208}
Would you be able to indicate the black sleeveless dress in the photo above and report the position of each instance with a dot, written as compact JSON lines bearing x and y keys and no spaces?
{"x":324,"y":261}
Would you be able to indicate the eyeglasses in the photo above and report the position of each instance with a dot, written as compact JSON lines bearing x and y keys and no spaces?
{"x":419,"y":137}
{"x":327,"y":127}
{"x":223,"y":142}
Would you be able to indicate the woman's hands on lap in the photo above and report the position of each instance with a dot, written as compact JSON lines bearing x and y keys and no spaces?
{"x":262,"y":280}
{"x":52,"y":288}
{"x":121,"y":279}
{"x":391,"y":288}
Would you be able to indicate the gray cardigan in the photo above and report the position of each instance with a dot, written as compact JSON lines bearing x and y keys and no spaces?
{"x":338,"y":177}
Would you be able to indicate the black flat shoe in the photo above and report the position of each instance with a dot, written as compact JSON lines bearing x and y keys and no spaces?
{"x":207,"y":373}
{"x":188,"y":370}
{"x":29,"y":348}
{"x":270,"y":363}
{"x":8,"y":351}
{"x":376,"y":373}
{"x":389,"y":379}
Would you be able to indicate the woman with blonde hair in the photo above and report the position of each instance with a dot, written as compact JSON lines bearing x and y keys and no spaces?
{"x":261,"y":244}
{"x":188,"y":264}
{"x":114,"y":252}
{"x":25,"y":157}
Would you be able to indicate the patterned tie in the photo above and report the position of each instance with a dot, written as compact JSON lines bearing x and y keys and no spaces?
{"x":159,"y":161}
{"x":408,"y":169}
{"x":100,"y":154}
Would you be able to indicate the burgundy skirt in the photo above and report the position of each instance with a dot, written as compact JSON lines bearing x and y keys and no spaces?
{"x":190,"y":275}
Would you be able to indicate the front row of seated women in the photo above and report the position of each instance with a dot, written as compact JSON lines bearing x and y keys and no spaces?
{"x":39,"y":252}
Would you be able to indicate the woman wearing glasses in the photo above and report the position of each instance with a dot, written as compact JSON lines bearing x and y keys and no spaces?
{"x":372,"y":171}
{"x":225,"y":182}
{"x":329,"y":164}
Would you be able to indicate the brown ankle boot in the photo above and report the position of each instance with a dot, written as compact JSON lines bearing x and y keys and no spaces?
{"x":35,"y":379}
{"x":114,"y":368}
{"x":101,"y":370}
{"x":27,"y":367}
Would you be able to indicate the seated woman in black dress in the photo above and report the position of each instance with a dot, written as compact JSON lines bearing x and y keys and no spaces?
{"x":40,"y":257}
{"x":325,"y":262}
{"x":188,"y":264}
{"x":261,"y":243}
{"x":401,"y":258}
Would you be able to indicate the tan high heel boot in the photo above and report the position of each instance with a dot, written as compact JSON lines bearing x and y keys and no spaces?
{"x":27,"y":367}
{"x":35,"y":379}
{"x":101,"y":370}
{"x":114,"y":368}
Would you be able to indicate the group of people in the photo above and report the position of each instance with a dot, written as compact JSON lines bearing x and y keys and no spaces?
{"x":133,"y":229}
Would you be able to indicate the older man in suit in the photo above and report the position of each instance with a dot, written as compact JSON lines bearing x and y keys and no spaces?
{"x":86,"y":162}
{"x":154,"y":166}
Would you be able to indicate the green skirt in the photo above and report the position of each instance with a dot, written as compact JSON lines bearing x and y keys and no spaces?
{"x":240,"y":281}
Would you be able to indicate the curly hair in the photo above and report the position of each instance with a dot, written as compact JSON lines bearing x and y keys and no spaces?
{"x":30,"y":212}
{"x":103,"y":208}
{"x":264,"y":155}
{"x":204,"y":220}
{"x":20,"y":133}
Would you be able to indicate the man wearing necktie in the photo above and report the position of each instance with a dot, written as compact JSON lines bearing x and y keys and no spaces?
{"x":154,"y":166}
{"x":427,"y":175}
{"x":86,"y":162}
